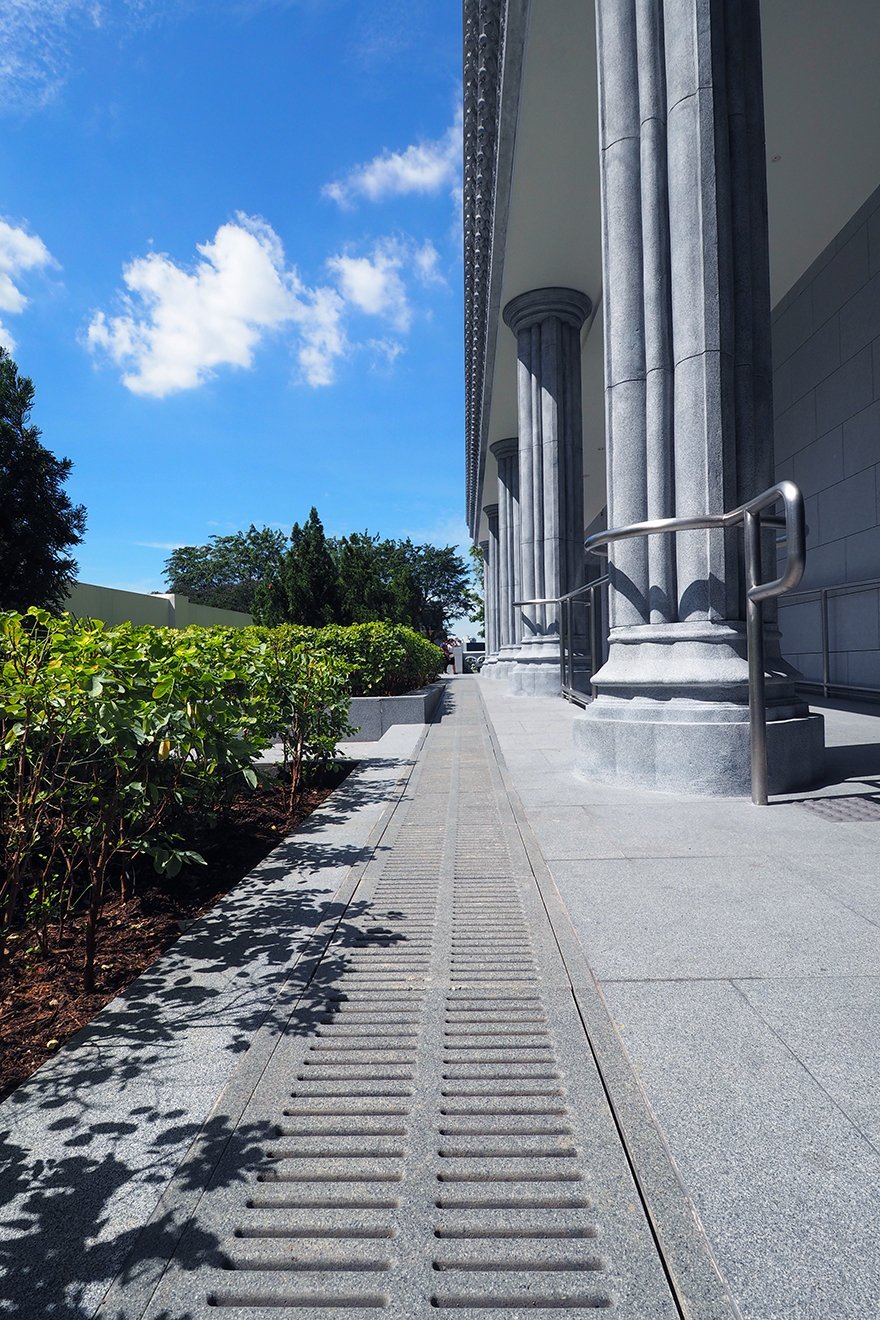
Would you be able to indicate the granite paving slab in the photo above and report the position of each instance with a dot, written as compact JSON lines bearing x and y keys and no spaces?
{"x":737,"y":948}
{"x":788,"y":1187}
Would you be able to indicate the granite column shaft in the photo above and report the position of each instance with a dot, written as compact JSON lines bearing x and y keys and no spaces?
{"x":688,"y":389}
{"x":506,"y":453}
{"x":547,"y":324}
{"x":490,"y":578}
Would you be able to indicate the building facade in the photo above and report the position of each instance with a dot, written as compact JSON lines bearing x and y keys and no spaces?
{"x":644,"y":180}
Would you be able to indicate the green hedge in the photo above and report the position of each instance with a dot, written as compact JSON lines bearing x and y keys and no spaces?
{"x":383,"y":659}
{"x":110,"y":737}
{"x":380,"y":659}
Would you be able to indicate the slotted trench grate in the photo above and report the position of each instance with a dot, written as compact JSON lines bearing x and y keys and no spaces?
{"x":432,"y":1133}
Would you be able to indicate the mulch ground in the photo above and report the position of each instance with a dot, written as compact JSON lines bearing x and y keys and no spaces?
{"x":42,"y":1002}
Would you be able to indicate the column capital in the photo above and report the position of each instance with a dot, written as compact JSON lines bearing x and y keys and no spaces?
{"x":528,"y":309}
{"x":491,"y":511}
{"x":505,"y":448}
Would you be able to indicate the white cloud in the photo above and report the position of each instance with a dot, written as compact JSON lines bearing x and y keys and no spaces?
{"x":426,"y":260}
{"x":34,"y":51}
{"x":178,"y":325}
{"x":373,"y":283}
{"x":19,"y":252}
{"x":323,"y":336}
{"x":387,"y":350}
{"x":424,"y":167}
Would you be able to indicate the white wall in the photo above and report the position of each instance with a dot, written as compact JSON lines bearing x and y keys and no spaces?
{"x":86,"y":601}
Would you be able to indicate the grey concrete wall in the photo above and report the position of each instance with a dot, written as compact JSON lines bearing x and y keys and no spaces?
{"x":374,"y":716}
{"x":826,"y":373}
{"x":112,"y":606}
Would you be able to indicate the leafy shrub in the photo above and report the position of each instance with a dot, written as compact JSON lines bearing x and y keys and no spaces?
{"x":111,"y":737}
{"x":108,"y":734}
{"x":383,"y":659}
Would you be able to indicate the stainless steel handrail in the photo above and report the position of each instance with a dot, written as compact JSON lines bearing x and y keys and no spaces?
{"x":750,"y":516}
{"x":822,"y":595}
{"x":566,"y":633}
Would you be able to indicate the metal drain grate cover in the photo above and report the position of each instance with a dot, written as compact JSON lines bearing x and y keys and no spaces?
{"x":430,"y":1132}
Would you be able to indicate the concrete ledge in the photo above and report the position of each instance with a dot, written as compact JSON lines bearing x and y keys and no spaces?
{"x":374,"y":716}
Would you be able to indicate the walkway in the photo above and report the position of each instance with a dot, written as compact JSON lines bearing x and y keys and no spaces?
{"x":738,"y":952}
{"x":383,"y":1076}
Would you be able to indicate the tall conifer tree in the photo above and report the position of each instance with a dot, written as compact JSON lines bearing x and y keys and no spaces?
{"x":38,"y":522}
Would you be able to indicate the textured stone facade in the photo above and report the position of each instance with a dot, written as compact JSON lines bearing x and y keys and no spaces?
{"x":547,"y":325}
{"x":826,"y":360}
{"x":688,"y":396}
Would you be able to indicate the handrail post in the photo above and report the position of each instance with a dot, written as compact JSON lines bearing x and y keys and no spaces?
{"x":755,"y":645}
{"x":595,"y":635}
{"x":826,"y":665}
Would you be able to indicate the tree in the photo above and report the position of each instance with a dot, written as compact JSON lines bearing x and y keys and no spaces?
{"x":364,"y":565}
{"x":309,"y":578}
{"x":316,"y":580}
{"x":433,"y":586}
{"x":229,"y":571}
{"x":424,"y":586}
{"x":38,"y":522}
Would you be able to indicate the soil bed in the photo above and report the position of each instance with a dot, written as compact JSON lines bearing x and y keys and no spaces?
{"x":42,"y":1002}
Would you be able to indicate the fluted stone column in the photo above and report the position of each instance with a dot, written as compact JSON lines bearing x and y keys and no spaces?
{"x":487,"y":606}
{"x":547,"y":324}
{"x":686,"y":308}
{"x":506,"y":454}
{"x":490,"y":579}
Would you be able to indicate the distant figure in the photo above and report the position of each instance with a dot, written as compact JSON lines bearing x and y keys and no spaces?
{"x":454,"y":652}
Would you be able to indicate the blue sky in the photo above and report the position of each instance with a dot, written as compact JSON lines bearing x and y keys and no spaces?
{"x":230,"y":261}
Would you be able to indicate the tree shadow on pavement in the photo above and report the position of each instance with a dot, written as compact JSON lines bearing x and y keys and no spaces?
{"x":89,"y":1144}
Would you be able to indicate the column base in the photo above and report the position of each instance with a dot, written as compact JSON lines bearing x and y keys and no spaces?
{"x":535,"y":671}
{"x":695,"y":754}
{"x":501,"y":666}
{"x":672,"y":714}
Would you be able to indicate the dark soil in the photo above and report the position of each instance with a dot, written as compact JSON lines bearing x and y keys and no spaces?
{"x":42,"y":1002}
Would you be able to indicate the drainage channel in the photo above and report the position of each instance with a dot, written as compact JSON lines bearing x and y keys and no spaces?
{"x":430,"y":1132}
